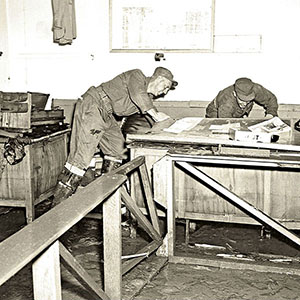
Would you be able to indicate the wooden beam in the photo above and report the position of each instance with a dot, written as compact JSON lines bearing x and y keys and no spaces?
{"x":293,"y":162}
{"x":130,"y":166}
{"x":112,"y":244}
{"x":149,"y":198}
{"x":200,"y":140}
{"x":46,"y":275}
{"x":236,"y":265}
{"x":168,"y":246}
{"x":142,"y":220}
{"x":240,"y":203}
{"x":29,"y":183}
{"x":170,"y":238}
{"x":129,"y":264}
{"x":71,"y":264}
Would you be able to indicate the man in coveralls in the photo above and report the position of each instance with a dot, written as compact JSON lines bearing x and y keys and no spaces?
{"x":237,"y":100}
{"x":95,"y":127}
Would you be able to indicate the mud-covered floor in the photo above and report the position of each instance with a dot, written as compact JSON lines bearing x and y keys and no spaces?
{"x":156,"y":278}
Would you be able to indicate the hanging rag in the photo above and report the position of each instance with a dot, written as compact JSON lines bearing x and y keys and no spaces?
{"x":14,"y":151}
{"x":64,"y":23}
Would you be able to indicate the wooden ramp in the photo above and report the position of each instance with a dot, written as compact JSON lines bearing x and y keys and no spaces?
{"x":38,"y":241}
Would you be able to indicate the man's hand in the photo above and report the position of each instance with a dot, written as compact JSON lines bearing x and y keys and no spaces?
{"x":161,"y":117}
{"x":269,"y":116}
{"x":159,"y":126}
{"x":157,"y":116}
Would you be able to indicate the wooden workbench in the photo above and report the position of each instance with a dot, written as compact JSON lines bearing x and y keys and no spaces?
{"x":265,"y":174}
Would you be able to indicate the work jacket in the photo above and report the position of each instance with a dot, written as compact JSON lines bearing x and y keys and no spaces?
{"x":225,"y":105}
{"x":128,"y":93}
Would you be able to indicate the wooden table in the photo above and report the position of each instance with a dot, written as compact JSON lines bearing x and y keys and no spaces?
{"x":266,"y":175}
{"x":199,"y":176}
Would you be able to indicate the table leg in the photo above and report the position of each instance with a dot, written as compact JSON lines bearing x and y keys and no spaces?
{"x":171,"y":229}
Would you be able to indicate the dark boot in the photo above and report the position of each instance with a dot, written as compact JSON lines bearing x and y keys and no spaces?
{"x":66,"y":186}
{"x":109,"y":164}
{"x":88,"y":177}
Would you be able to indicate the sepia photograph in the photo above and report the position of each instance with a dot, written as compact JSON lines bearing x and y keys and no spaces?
{"x":149,"y":150}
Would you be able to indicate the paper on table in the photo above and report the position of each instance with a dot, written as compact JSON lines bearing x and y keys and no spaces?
{"x":183,"y":124}
{"x":274,"y":125}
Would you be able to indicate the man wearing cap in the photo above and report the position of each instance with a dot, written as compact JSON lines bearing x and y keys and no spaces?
{"x":95,"y":127}
{"x":236,"y":101}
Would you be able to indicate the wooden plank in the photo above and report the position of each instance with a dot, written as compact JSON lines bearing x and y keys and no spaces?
{"x":129,"y":264}
{"x":130,"y":166}
{"x":240,"y":161}
{"x":168,"y":246}
{"x":50,"y":136}
{"x":267,"y":192}
{"x":292,"y":224}
{"x":22,"y":247}
{"x":208,"y":141}
{"x":12,"y":202}
{"x":160,"y":180}
{"x":46,"y":275}
{"x":72,"y":265}
{"x":9,"y":134}
{"x":151,"y":156}
{"x":233,"y":151}
{"x":240,"y":203}
{"x":149,"y":198}
{"x":142,"y":220}
{"x":112,"y":244}
{"x":171,"y":209}
{"x":236,"y":265}
{"x":29,"y":185}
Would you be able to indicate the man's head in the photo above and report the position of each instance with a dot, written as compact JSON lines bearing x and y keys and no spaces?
{"x":244,"y":89}
{"x":161,"y":82}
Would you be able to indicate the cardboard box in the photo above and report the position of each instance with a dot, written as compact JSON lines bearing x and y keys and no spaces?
{"x":249,"y":136}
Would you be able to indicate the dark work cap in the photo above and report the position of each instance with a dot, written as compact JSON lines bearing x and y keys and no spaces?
{"x":244,"y":89}
{"x":160,"y":71}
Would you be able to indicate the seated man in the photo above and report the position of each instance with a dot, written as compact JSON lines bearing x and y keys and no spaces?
{"x":95,"y":127}
{"x":236,"y":101}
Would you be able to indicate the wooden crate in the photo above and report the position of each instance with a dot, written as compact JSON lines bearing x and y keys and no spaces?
{"x":24,"y":120}
{"x":33,"y":179}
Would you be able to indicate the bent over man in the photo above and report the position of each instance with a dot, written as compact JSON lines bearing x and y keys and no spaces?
{"x":95,"y":127}
{"x":237,"y":100}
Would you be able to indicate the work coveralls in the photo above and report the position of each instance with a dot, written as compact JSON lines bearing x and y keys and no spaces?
{"x":95,"y":127}
{"x":225,"y":105}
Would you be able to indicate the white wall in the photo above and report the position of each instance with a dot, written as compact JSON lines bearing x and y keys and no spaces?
{"x":37,"y":64}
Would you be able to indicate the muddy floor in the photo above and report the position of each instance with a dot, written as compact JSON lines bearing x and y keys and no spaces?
{"x":260,"y":265}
